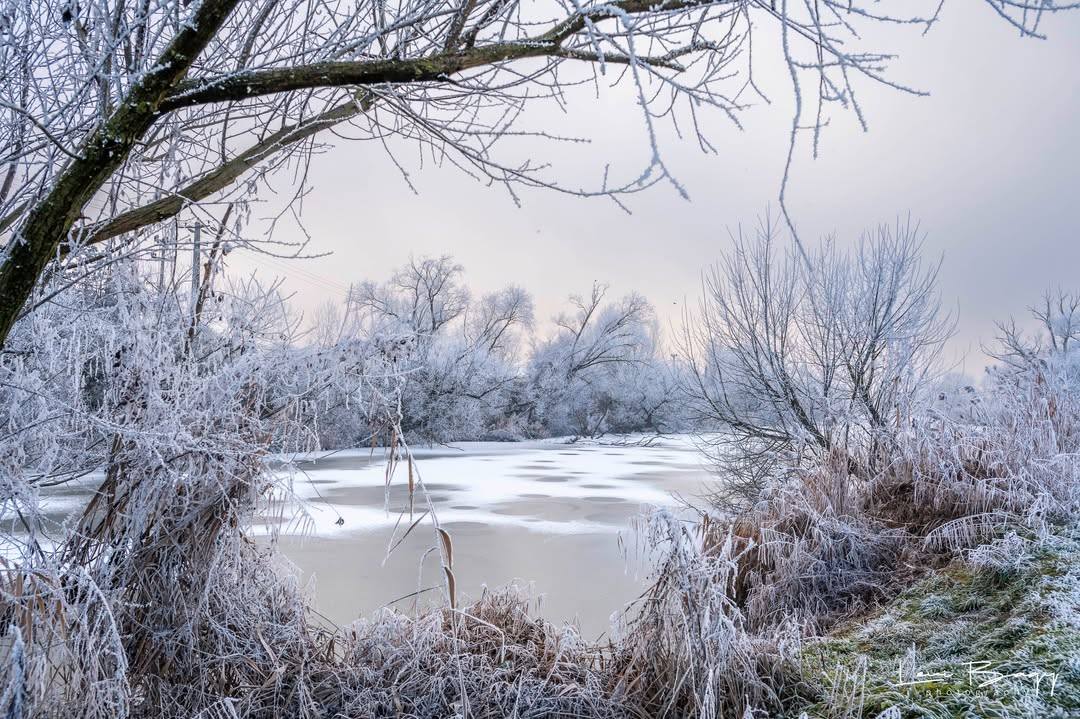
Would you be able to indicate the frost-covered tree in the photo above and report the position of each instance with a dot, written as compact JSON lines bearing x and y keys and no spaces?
{"x":168,"y":415}
{"x":794,"y":353}
{"x":466,"y":371}
{"x":458,"y":356}
{"x":420,"y":299}
{"x":117,"y":118}
{"x":1056,"y":332}
{"x":601,"y":370}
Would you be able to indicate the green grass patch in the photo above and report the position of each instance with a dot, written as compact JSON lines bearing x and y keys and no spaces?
{"x":962,"y":642}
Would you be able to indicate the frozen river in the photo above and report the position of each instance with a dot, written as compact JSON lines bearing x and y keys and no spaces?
{"x":553,"y":517}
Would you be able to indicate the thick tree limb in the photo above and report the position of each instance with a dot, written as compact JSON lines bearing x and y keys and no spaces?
{"x":257,"y":83}
{"x":221,"y":177}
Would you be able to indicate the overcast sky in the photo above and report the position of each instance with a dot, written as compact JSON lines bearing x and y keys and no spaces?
{"x":989,"y":164}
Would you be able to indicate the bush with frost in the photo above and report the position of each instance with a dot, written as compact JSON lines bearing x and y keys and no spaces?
{"x":795,"y":355}
{"x":842,"y":470}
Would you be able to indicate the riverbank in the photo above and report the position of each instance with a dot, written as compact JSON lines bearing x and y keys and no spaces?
{"x":995,"y":637}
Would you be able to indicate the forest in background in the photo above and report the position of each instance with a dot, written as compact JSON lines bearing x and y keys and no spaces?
{"x":484,"y":368}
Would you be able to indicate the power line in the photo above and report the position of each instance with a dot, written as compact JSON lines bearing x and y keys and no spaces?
{"x":294,"y":272}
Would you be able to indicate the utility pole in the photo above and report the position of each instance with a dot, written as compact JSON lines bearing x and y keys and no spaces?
{"x":195,"y":250}
{"x":159,"y":254}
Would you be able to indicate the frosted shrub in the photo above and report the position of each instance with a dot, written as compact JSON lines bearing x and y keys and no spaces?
{"x":1015,"y":464}
{"x":152,"y":594}
{"x":491,"y":659}
{"x":792,"y":356}
{"x":1003,"y":554}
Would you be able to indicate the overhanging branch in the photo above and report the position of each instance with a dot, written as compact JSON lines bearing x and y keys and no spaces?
{"x":223,"y":176}
{"x":257,"y":83}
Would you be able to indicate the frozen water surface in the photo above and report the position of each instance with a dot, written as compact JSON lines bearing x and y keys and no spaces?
{"x":554,"y":517}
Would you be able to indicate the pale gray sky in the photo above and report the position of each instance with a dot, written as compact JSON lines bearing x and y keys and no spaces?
{"x":989,"y":163}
